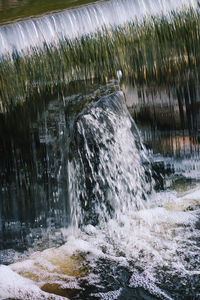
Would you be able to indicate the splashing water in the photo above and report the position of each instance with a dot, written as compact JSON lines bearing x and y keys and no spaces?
{"x":124,"y":240}
{"x":106,"y":175}
{"x":118,"y":252}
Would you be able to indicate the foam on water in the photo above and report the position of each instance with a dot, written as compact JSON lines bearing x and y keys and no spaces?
{"x":13,"y":285}
{"x":84,"y":20}
{"x":152,"y":243}
{"x":113,"y":227}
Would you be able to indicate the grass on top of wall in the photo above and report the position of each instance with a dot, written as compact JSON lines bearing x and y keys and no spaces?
{"x":160,"y":49}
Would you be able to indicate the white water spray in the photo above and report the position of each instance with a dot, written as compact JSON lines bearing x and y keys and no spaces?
{"x":107,"y":174}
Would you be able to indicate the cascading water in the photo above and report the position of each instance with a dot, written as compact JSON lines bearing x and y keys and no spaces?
{"x":77,"y":22}
{"x":106,"y":174}
{"x":117,"y":246}
{"x":87,"y":212}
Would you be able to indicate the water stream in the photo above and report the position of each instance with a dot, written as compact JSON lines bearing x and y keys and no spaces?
{"x":100,"y":181}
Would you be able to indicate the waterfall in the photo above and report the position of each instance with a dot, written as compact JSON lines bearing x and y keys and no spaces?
{"x":86,"y":212}
{"x":72,"y":23}
{"x":109,"y":172}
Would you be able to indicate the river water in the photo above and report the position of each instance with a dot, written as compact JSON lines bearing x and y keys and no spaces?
{"x":89,"y":212}
{"x":100,"y":191}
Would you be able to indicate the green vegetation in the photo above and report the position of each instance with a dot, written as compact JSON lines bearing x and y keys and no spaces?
{"x":161,"y":49}
{"x":31,"y":8}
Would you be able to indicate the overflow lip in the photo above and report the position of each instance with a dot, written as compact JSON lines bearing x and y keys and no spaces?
{"x":135,"y":48}
{"x":13,"y":15}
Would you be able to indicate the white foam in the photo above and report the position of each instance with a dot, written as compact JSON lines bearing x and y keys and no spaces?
{"x":154,"y":238}
{"x":112,"y":295}
{"x":148,"y":283}
{"x":195,"y":195}
{"x":13,"y":285}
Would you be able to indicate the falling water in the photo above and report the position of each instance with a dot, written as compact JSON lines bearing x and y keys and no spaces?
{"x":92,"y":205}
{"x":123,"y":239}
{"x":77,"y":22}
{"x":108,"y":166}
